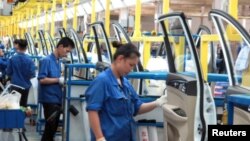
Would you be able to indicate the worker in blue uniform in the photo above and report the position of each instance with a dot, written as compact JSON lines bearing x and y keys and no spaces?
{"x":3,"y":66}
{"x":21,"y":69}
{"x":50,"y":85}
{"x":1,"y":45}
{"x":9,"y":52}
{"x":12,"y":51}
{"x":112,"y":101}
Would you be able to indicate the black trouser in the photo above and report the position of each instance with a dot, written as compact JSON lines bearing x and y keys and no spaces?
{"x":24,"y":95}
{"x":51,"y":125}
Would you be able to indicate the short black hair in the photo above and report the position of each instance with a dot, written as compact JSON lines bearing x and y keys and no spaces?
{"x":66,"y":42}
{"x":22,"y":43}
{"x":127,"y":50}
{"x":16,"y":41}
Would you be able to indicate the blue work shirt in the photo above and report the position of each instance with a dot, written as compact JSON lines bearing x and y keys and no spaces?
{"x":9,"y":53}
{"x":116,"y":106}
{"x":1,"y":46}
{"x":49,"y":93}
{"x":3,"y":65}
{"x":21,"y":69}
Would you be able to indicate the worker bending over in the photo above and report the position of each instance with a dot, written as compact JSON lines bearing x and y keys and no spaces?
{"x":112,"y":101}
{"x":50,"y":85}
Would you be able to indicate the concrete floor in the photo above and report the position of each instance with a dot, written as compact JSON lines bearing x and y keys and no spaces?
{"x":31,"y":134}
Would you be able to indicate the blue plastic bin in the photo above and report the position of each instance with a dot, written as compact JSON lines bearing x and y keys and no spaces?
{"x":11,"y":119}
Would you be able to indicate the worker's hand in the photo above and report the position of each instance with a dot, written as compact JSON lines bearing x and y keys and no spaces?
{"x":28,"y":112}
{"x":162,"y":100}
{"x":61,"y":80}
{"x":101,"y":139}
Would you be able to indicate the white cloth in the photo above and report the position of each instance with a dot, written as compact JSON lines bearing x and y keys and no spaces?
{"x":242,"y":60}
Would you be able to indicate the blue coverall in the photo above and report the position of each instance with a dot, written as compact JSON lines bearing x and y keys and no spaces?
{"x":116,"y":106}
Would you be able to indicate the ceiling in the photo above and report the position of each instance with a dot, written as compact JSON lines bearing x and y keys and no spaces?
{"x":191,"y":7}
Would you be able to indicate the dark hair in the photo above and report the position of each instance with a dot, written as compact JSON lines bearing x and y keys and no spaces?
{"x":16,"y":41}
{"x":22,"y":43}
{"x":66,"y":42}
{"x":127,"y":50}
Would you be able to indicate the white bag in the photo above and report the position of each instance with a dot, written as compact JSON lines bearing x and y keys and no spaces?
{"x":3,"y":101}
{"x":10,"y":101}
{"x":242,"y":60}
{"x":33,"y":92}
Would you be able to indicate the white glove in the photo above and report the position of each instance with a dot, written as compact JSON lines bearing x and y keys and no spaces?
{"x":161,"y":100}
{"x":101,"y":139}
{"x":61,"y":80}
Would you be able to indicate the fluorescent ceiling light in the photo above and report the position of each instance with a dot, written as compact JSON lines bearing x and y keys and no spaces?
{"x":88,"y":8}
{"x":83,"y":9}
{"x":80,"y":10}
{"x":57,"y":16}
{"x":29,"y":23}
{"x":34,"y":21}
{"x":70,"y":13}
{"x":42,"y":19}
{"x":130,"y":2}
{"x":61,"y":15}
{"x":49,"y":16}
{"x":20,"y":25}
{"x":118,"y":3}
{"x":145,"y":1}
{"x":103,"y":3}
{"x":98,"y":7}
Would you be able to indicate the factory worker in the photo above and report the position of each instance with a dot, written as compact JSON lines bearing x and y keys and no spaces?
{"x":21,"y":69}
{"x":112,"y":101}
{"x":50,"y":85}
{"x":3,"y":66}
